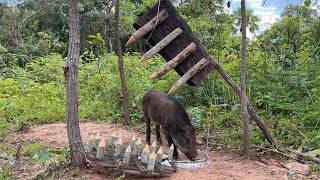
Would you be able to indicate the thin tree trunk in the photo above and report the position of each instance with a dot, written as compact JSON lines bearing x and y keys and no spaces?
{"x":120,"y":63}
{"x":245,"y":116}
{"x":71,"y":77}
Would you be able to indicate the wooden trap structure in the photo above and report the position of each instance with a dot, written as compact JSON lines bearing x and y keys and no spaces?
{"x":173,"y":39}
{"x":131,"y":159}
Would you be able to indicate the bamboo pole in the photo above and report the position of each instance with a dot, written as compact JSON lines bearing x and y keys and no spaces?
{"x":137,"y":148}
{"x":151,"y":162}
{"x":197,"y":67}
{"x":100,"y":149}
{"x":132,"y":142}
{"x":127,"y":155}
{"x":118,"y":147}
{"x":145,"y":154}
{"x":159,"y":155}
{"x":153,"y":147}
{"x":163,"y":15}
{"x":97,"y":140}
{"x":162,"y":44}
{"x":90,"y":143}
{"x":112,"y":139}
{"x":175,"y":61}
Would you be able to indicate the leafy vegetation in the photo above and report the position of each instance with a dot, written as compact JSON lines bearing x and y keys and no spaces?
{"x":283,"y":70}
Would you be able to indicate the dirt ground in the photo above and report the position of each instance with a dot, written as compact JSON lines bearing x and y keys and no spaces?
{"x":224,"y":165}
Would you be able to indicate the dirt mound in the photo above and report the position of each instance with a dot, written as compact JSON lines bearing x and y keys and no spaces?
{"x":224,"y":165}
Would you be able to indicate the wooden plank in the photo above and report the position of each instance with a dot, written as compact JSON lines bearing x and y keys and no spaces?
{"x":181,"y":42}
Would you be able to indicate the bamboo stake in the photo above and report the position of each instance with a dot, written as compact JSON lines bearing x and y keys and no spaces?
{"x":127,"y":155}
{"x":162,"y":44}
{"x":197,"y":67}
{"x":175,"y":61}
{"x":137,"y":148}
{"x":159,"y":155}
{"x":151,"y":162}
{"x":145,"y":154}
{"x":90,"y":143}
{"x":97,"y":140}
{"x":153,"y":147}
{"x":113,"y":139}
{"x":163,"y":15}
{"x":118,"y":147}
{"x":100,"y":149}
{"x":170,"y":154}
{"x":132,"y":142}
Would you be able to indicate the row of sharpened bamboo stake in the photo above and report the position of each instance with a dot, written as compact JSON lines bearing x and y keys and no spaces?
{"x":148,"y":156}
{"x":163,"y":15}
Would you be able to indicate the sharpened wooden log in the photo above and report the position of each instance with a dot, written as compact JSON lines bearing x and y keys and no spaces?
{"x":163,"y":43}
{"x":145,"y":154}
{"x":151,"y":162}
{"x":153,"y":147}
{"x":90,"y":143}
{"x":170,"y":154}
{"x":118,"y":147}
{"x":197,"y":67}
{"x":159,"y":155}
{"x":175,"y":61}
{"x":127,"y":155}
{"x":163,"y":15}
{"x":137,"y":148}
{"x":100,"y":149}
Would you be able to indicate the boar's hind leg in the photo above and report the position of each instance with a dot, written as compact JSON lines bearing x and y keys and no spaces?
{"x":170,"y":141}
{"x":158,"y":134}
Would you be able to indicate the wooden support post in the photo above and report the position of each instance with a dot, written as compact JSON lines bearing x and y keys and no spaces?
{"x":118,"y":147}
{"x":153,"y":147}
{"x":170,"y":154}
{"x":127,"y":155}
{"x":162,"y":44}
{"x":174,"y":62}
{"x":145,"y":154}
{"x":159,"y":155}
{"x":137,"y":148}
{"x":100,"y":149}
{"x":151,"y":162}
{"x":90,"y":143}
{"x":163,"y":15}
{"x":197,"y":67}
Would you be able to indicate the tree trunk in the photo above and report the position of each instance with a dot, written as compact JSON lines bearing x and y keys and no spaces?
{"x":120,"y":63}
{"x":71,"y":77}
{"x":245,"y":116}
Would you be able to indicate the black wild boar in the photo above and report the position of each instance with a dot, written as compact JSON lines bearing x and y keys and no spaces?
{"x":168,"y":112}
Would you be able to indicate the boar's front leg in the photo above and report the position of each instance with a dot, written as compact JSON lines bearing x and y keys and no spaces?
{"x":170,"y":141}
{"x":148,"y":131}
